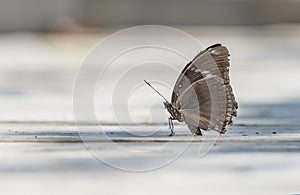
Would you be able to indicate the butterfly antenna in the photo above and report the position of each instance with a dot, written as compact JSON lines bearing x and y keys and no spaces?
{"x":156,"y":91}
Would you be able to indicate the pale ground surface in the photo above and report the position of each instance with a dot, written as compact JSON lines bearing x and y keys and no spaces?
{"x":42,"y":151}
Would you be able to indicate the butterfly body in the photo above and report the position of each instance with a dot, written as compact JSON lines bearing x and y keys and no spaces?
{"x":202,"y":96}
{"x":175,"y":114}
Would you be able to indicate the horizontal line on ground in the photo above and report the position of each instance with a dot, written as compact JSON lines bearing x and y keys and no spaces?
{"x":150,"y":139}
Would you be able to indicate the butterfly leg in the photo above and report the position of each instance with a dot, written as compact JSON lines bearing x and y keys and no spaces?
{"x":198,"y":132}
{"x":171,"y":126}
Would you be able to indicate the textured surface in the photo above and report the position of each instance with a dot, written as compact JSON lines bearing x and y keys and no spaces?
{"x":51,"y":159}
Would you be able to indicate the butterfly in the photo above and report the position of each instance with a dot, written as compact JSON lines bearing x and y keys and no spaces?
{"x":202,"y":96}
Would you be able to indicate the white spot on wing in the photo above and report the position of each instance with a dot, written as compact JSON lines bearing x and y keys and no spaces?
{"x":215,"y":52}
{"x":208,"y":76}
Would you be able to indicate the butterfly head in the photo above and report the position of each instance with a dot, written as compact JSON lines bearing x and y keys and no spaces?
{"x":167,"y":105}
{"x":173,"y":111}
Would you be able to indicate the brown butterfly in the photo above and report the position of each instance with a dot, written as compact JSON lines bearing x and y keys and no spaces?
{"x":202,"y":96}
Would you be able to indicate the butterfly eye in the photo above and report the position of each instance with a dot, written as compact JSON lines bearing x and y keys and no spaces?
{"x":166,"y":105}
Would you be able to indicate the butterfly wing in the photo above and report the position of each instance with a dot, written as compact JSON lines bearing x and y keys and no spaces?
{"x":203,"y":93}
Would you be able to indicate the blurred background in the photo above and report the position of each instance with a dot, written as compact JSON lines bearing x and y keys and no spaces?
{"x":43,"y":15}
{"x":42,"y":44}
